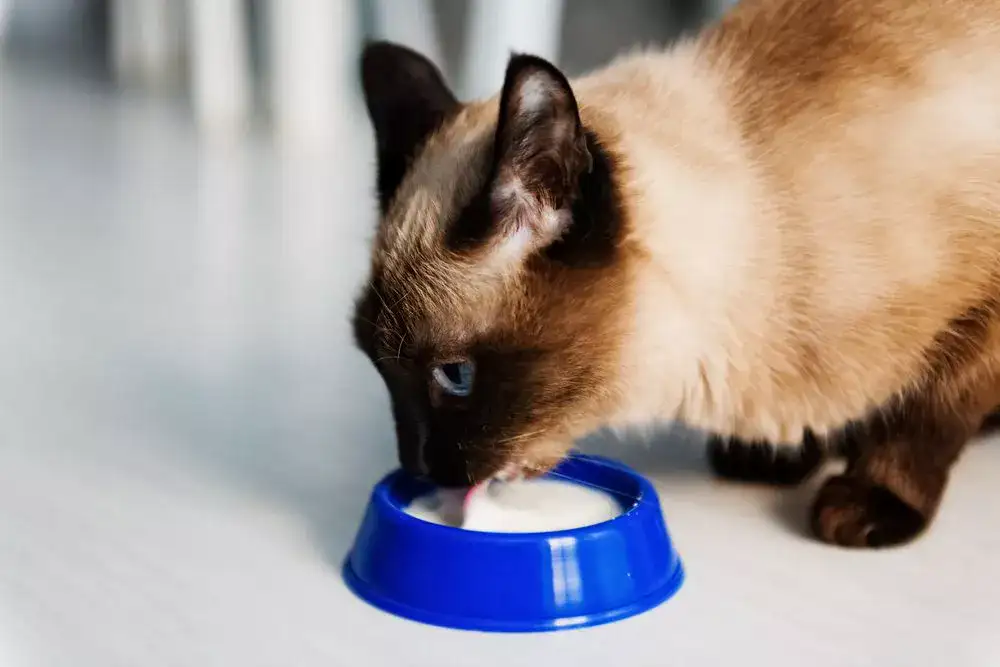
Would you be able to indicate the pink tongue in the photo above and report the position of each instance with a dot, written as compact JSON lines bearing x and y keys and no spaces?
{"x":468,"y":495}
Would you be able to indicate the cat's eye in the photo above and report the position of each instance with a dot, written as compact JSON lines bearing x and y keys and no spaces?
{"x":455,"y":378}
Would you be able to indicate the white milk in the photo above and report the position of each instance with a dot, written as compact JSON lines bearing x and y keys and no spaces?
{"x":524,"y":506}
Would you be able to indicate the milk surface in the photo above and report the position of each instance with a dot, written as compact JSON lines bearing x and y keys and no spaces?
{"x":523,"y":506}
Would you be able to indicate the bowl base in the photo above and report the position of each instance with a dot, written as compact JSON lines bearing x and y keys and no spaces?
{"x":636,"y":607}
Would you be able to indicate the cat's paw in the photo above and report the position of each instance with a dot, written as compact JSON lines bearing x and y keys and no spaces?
{"x":731,"y":458}
{"x":852,"y":512}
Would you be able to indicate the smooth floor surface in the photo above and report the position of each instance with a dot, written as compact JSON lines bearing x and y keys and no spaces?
{"x":187,"y":438}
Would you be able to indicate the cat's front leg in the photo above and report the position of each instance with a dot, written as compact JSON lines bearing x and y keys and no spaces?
{"x":897,"y":472}
{"x":765,"y":463}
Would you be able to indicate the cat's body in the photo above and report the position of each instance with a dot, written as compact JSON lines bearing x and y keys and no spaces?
{"x":824,"y":221}
{"x":788,"y":225}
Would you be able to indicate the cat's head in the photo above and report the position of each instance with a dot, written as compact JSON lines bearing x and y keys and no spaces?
{"x":496,"y":304}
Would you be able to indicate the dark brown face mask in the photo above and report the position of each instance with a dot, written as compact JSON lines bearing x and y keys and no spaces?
{"x":549,"y":206}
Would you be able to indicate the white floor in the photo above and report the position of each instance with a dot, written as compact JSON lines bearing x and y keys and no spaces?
{"x":187,"y":438}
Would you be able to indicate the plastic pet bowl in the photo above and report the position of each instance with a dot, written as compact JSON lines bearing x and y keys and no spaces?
{"x":516,"y":582}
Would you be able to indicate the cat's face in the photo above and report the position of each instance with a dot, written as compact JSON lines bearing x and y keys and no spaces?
{"x":495,"y":306}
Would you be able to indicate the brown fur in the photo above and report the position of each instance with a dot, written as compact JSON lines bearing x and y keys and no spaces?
{"x":792,"y":227}
{"x":853,"y":56}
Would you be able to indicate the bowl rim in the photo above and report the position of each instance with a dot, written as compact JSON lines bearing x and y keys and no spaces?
{"x":382,"y":497}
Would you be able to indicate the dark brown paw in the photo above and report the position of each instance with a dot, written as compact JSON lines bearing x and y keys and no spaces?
{"x":763,"y":463}
{"x":851,"y":512}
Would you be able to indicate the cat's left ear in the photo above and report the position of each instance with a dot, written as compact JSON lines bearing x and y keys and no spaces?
{"x":407,"y":100}
{"x":540,"y":151}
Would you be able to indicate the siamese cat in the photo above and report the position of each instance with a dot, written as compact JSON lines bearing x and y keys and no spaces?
{"x":784,"y":231}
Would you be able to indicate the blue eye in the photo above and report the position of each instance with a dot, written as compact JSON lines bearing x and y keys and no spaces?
{"x":455,"y":378}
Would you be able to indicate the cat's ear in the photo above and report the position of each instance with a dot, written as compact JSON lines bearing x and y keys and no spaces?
{"x":540,"y":151}
{"x":407,"y":100}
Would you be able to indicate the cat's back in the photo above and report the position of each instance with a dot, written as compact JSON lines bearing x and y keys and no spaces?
{"x":873,"y":128}
{"x":796,"y":65}
{"x":865,"y":119}
{"x":842,"y":161}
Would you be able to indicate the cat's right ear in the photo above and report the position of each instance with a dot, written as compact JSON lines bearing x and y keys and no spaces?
{"x":407,"y":100}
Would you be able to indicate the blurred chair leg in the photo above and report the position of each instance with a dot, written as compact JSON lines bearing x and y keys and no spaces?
{"x":5,"y":10}
{"x":496,"y":28}
{"x":219,"y":61}
{"x":410,"y":23}
{"x":124,"y":39}
{"x":313,"y":59}
{"x":148,"y":41}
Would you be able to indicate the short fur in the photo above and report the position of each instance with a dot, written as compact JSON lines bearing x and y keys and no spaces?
{"x":785,"y":227}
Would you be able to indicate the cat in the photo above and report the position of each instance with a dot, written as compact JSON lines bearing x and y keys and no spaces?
{"x":784,"y":231}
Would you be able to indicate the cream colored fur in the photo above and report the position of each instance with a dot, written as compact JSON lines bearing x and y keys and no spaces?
{"x":785,"y":274}
{"x":893,"y":200}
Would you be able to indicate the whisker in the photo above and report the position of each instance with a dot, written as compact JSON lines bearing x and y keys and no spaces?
{"x":385,"y":313}
{"x":390,"y":332}
{"x":404,"y":295}
{"x":385,"y":306}
{"x":517,"y":438}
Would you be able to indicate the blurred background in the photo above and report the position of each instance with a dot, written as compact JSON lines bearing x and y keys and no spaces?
{"x":187,"y":436}
{"x":240,"y":62}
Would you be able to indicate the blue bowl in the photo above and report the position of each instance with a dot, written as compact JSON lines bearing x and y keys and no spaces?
{"x":526,"y":582}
